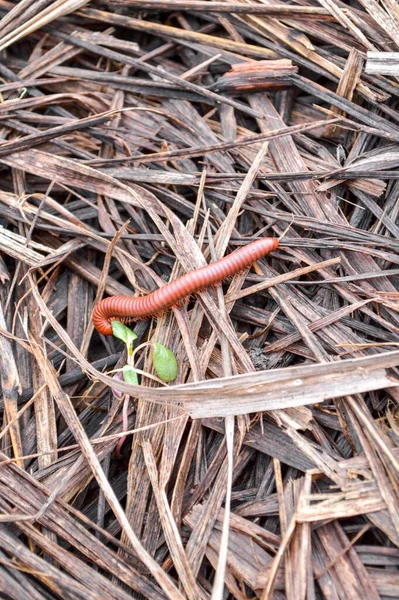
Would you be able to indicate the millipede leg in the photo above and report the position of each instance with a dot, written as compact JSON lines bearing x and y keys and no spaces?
{"x":160,"y":314}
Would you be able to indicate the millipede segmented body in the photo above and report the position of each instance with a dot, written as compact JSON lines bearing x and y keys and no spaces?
{"x":127,"y":307}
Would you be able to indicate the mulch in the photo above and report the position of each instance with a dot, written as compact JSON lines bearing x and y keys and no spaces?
{"x":141,"y":140}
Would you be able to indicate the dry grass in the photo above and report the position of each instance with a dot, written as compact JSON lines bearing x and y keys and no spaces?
{"x":140,"y":140}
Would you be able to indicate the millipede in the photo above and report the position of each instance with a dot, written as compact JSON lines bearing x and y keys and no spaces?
{"x":171,"y":294}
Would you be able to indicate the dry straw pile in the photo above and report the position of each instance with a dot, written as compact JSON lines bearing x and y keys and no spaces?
{"x":140,"y":140}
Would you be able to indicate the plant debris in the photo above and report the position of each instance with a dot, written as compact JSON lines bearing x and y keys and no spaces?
{"x":141,"y":140}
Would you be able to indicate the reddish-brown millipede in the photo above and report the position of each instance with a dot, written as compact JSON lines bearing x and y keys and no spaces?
{"x":172,"y":293}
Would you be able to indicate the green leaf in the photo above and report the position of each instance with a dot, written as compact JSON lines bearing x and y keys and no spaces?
{"x":125,"y":334}
{"x":165,"y":363}
{"x":130,"y":375}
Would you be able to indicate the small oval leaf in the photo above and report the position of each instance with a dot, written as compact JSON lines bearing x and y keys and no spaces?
{"x":165,"y":363}
{"x":130,"y":375}
{"x":123,"y":333}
